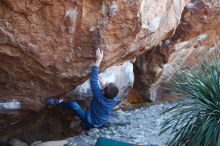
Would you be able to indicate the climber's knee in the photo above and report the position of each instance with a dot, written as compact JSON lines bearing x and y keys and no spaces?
{"x":74,"y":105}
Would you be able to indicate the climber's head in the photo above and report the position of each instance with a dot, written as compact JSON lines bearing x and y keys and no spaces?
{"x":111,"y":90}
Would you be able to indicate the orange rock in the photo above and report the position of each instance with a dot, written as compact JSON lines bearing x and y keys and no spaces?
{"x":198,"y":34}
{"x":47,"y":47}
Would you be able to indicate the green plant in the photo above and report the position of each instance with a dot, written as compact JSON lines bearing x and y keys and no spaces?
{"x":196,"y":122}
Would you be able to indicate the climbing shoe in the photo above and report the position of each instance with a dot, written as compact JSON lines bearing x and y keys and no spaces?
{"x":52,"y":101}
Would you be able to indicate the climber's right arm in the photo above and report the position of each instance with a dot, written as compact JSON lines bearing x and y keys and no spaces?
{"x":94,"y":80}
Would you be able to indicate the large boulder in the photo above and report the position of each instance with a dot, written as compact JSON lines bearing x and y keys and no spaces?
{"x":47,"y":47}
{"x":198,"y":34}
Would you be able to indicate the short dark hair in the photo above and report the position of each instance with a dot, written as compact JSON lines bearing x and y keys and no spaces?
{"x":111,"y":91}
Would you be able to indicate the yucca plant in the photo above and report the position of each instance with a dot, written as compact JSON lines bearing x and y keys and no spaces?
{"x":196,"y":121}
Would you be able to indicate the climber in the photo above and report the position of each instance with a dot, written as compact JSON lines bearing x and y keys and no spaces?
{"x":101,"y":104}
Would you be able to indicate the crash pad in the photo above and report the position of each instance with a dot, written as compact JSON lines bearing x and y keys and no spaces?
{"x":102,"y":141}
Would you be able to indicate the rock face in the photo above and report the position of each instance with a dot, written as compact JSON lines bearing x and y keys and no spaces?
{"x":198,"y":34}
{"x":148,"y":69}
{"x":47,"y":47}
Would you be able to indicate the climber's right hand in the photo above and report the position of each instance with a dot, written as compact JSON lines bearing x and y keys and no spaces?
{"x":99,"y":56}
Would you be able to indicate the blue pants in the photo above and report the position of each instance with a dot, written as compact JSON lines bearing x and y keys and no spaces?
{"x":71,"y":104}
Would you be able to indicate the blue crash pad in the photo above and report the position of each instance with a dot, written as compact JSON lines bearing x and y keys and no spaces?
{"x":110,"y":142}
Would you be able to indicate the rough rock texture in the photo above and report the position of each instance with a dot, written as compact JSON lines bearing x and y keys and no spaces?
{"x":148,"y":69}
{"x":197,"y":34}
{"x":47,"y":47}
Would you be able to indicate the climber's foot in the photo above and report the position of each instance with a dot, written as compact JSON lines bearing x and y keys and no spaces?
{"x":52,"y":101}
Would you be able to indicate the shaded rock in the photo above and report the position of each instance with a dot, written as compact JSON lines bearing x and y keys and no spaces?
{"x":148,"y":69}
{"x":17,"y":142}
{"x":134,"y":97}
{"x":58,"y":122}
{"x":197,"y":34}
{"x":50,"y":143}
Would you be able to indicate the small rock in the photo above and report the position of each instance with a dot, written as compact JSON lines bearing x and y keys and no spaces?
{"x":17,"y":142}
{"x":50,"y":143}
